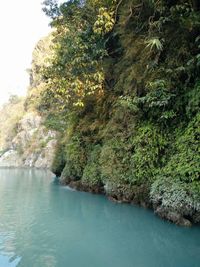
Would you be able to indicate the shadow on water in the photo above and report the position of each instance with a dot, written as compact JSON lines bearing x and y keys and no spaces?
{"x":56,"y":180}
{"x":45,"y":225}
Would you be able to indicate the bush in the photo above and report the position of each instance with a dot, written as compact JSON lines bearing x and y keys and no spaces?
{"x":59,"y":159}
{"x":92,"y":171}
{"x":75,"y":159}
{"x":178,"y":183}
{"x":150,"y":152}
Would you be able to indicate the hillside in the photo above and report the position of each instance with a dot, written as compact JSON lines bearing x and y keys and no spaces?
{"x":120,"y":82}
{"x":24,"y":140}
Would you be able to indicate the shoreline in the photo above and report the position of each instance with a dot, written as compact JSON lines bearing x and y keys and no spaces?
{"x":133,"y":195}
{"x":138,"y":198}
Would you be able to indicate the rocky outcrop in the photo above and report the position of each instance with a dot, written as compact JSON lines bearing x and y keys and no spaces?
{"x":33,"y":145}
{"x":10,"y":159}
{"x":173,"y":216}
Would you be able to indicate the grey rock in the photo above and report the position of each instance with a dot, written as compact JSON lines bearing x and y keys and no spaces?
{"x":10,"y":159}
{"x":173,"y":216}
{"x":33,"y":146}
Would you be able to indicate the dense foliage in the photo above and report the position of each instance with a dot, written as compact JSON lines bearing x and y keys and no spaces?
{"x":122,"y":85}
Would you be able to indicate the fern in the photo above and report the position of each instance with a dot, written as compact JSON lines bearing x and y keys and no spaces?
{"x":154,"y":43}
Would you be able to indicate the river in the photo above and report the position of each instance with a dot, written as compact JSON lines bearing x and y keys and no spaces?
{"x":45,"y":225}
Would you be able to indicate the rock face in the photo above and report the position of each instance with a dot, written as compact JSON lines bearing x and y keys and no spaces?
{"x":10,"y":159}
{"x":33,"y":145}
{"x":173,"y":216}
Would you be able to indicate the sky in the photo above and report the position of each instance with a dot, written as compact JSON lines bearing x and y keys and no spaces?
{"x":22,"y":24}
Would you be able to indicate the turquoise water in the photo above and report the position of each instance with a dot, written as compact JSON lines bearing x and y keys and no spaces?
{"x":45,"y":225}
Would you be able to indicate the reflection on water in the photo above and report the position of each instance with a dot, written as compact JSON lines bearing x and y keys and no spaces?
{"x":45,"y":225}
{"x":6,"y":261}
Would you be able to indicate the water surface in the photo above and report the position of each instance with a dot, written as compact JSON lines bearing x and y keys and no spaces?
{"x":45,"y":225}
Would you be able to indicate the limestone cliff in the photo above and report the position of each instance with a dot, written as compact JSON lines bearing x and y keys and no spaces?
{"x":32,"y":145}
{"x":24,"y":139}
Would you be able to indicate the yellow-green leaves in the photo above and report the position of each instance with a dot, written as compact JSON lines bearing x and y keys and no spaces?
{"x":105,"y":21}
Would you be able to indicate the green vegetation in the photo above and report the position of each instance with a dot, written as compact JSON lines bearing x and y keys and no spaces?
{"x":121,"y":82}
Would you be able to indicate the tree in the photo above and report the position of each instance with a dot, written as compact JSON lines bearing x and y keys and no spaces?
{"x":76,"y":72}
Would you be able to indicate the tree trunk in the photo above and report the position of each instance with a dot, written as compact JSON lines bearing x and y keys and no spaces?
{"x":196,"y":5}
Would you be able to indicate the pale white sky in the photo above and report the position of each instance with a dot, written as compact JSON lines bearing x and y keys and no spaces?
{"x":22,"y":24}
